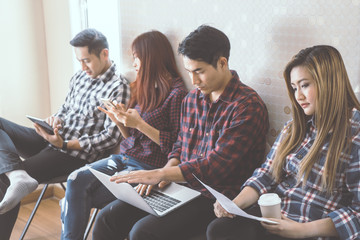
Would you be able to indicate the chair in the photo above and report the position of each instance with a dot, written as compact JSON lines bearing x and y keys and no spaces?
{"x":91,"y":222}
{"x":60,"y":180}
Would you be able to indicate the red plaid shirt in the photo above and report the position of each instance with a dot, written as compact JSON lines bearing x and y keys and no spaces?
{"x":166,"y":119}
{"x":309,"y":203}
{"x":221,"y":142}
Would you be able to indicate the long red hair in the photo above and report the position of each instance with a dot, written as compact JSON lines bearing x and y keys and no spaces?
{"x":157,"y":69}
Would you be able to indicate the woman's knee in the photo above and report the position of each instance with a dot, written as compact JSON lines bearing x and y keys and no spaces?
{"x":79,"y":173}
{"x":79,"y":177}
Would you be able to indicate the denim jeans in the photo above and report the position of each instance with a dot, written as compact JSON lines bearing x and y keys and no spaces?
{"x":84,"y":191}
{"x":40,"y":161}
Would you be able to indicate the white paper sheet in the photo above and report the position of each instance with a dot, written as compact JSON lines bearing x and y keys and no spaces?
{"x":230,"y":206}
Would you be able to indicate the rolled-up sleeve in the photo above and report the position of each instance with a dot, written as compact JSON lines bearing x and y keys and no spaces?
{"x":347,"y":219}
{"x":262,"y":180}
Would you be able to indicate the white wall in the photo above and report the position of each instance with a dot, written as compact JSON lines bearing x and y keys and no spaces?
{"x":37,"y":61}
{"x":104,"y":16}
{"x":59,"y":51}
{"x":23,"y":63}
{"x":264,"y":35}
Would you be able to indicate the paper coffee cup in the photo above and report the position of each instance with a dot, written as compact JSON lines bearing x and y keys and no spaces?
{"x":270,"y":205}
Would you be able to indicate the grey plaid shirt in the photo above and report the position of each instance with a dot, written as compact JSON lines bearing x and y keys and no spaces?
{"x":83,"y":121}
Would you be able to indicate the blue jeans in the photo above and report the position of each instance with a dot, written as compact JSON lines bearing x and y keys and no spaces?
{"x":84,"y":191}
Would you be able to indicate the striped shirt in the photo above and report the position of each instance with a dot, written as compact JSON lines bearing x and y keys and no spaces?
{"x":166,"y":119}
{"x":310,"y":203}
{"x":221,"y":142}
{"x":83,"y":121}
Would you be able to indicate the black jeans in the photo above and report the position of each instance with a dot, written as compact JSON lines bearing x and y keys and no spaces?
{"x":119,"y":220}
{"x":41,"y":161}
{"x":240,"y":228}
{"x":7,"y":220}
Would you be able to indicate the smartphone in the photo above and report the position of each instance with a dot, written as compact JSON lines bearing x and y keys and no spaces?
{"x":108,"y":103}
{"x":42,"y":123}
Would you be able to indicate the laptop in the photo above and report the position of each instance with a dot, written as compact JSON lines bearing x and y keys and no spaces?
{"x":160,"y":201}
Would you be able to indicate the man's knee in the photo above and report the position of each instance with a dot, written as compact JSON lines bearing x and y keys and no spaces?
{"x":101,"y":224}
{"x":232,"y":228}
{"x":139,"y":231}
{"x":215,"y":229}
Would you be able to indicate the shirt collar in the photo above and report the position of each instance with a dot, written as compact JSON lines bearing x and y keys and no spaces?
{"x":229,"y":91}
{"x":107,"y":75}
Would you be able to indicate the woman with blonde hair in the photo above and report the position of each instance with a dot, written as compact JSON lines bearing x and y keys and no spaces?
{"x":149,"y":128}
{"x":314,"y":165}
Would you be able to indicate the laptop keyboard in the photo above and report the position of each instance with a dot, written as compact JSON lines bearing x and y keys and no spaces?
{"x":159,"y":201}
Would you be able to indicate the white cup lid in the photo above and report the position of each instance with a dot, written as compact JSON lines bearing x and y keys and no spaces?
{"x":269,"y":199}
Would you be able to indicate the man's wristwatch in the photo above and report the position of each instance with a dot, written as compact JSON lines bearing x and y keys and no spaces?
{"x":64,"y":146}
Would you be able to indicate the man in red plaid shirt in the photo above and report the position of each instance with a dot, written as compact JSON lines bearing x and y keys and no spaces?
{"x":221,"y":141}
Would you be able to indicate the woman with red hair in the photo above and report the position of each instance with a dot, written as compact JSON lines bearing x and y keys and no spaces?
{"x":149,"y":128}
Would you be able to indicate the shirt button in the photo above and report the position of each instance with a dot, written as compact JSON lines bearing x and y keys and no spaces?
{"x":201,"y":154}
{"x":190,"y":129}
{"x":207,"y":134}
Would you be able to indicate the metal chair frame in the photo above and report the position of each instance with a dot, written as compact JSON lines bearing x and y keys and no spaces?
{"x":60,"y":180}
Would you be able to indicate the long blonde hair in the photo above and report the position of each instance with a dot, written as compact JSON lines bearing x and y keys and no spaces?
{"x":334,"y":101}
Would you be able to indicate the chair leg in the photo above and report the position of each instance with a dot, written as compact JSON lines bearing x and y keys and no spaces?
{"x":33,"y":211}
{"x":91,"y":222}
{"x":63,"y":186}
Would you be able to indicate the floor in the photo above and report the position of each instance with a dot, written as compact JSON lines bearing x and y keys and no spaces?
{"x":46,"y":224}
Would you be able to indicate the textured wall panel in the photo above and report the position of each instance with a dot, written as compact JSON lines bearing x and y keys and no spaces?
{"x":264,"y":35}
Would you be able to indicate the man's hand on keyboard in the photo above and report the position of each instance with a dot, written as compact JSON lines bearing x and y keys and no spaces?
{"x":163,"y":184}
{"x":144,"y":188}
{"x":147,"y":177}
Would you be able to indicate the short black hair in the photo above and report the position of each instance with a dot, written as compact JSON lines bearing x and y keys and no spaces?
{"x":206,"y":44}
{"x":91,"y":38}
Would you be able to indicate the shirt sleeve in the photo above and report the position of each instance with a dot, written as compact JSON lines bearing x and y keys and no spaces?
{"x":347,"y":219}
{"x":110,"y":135}
{"x":167,"y":138}
{"x":227,"y":158}
{"x":262,"y":180}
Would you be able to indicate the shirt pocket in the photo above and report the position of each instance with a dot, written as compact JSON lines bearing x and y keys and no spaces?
{"x":192,"y":138}
{"x":215,"y":133}
{"x":90,"y":109}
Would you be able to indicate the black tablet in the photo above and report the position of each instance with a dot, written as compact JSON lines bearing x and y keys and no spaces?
{"x":42,"y":123}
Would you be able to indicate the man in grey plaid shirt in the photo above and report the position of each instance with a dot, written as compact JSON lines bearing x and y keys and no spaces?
{"x":82,"y":133}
